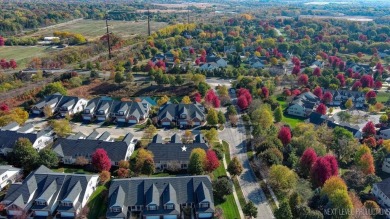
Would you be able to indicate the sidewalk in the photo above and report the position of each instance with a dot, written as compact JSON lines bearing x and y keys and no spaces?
{"x":234,"y":190}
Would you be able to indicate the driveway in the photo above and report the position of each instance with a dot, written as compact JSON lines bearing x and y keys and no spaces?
{"x":248,"y":182}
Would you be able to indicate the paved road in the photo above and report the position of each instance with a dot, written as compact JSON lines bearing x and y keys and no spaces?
{"x":248,"y":182}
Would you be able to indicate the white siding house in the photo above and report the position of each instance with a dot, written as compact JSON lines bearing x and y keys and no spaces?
{"x":8,"y":175}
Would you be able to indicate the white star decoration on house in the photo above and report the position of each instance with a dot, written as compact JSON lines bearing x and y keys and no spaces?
{"x":184,"y":148}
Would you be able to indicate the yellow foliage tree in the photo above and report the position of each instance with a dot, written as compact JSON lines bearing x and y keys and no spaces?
{"x":186,"y":100}
{"x":163,"y":100}
{"x":332,"y":184}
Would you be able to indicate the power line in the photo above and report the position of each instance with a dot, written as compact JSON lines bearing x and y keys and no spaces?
{"x":108,"y":38}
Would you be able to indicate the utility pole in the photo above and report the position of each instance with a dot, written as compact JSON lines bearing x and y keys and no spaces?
{"x":108,"y":38}
{"x":148,"y":22}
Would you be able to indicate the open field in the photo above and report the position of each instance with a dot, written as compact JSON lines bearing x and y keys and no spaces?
{"x":22,"y":54}
{"x":93,"y":29}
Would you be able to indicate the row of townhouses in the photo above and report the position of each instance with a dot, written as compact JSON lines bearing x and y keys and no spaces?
{"x":47,"y":194}
{"x":105,"y":108}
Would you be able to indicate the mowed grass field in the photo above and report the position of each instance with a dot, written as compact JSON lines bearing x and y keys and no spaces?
{"x":93,"y":29}
{"x":22,"y":54}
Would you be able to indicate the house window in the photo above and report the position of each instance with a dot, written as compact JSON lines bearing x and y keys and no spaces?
{"x":116,"y":209}
{"x":152,"y":208}
{"x":67,"y":204}
{"x":183,"y":116}
{"x":204,"y":205}
{"x":86,"y":111}
{"x":169,"y":206}
{"x":4,"y":177}
{"x":40,"y":202}
{"x":121,"y":113}
{"x":184,"y":166}
{"x":101,"y":111}
{"x":133,"y":208}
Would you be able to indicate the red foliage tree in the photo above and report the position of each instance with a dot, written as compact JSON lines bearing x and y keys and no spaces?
{"x":323,"y":168}
{"x":287,"y":92}
{"x":321,"y":109}
{"x":197,"y":61}
{"x":370,"y":95}
{"x":303,"y":79}
{"x":245,"y":92}
{"x":369,"y":129}
{"x":212,"y":99}
{"x":212,"y":161}
{"x":378,"y":85}
{"x":296,"y":61}
{"x":367,"y":81}
{"x":100,"y":160}
{"x":264,"y":92}
{"x":356,"y":85}
{"x":307,"y":160}
{"x":317,"y":72}
{"x":341,"y":78}
{"x":4,"y":107}
{"x":123,"y":173}
{"x":202,"y":59}
{"x":318,"y":92}
{"x":341,"y":65}
{"x":296,"y":92}
{"x":284,"y":135}
{"x":349,"y":72}
{"x":242,"y":102}
{"x":366,"y":164}
{"x":2,"y":41}
{"x":370,"y":142}
{"x":197,"y":97}
{"x":13,"y":64}
{"x":327,"y":97}
{"x":296,"y":70}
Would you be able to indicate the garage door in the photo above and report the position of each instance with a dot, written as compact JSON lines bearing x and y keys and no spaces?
{"x":12,"y":212}
{"x":87,"y":118}
{"x":205,"y":215}
{"x":196,"y":123}
{"x":152,"y":217}
{"x":132,"y":121}
{"x":41,"y":213}
{"x":36,"y":111}
{"x":121,"y":120}
{"x":166,"y":123}
{"x":67,"y":214}
{"x":170,"y":217}
{"x":101,"y":118}
{"x":183,"y":123}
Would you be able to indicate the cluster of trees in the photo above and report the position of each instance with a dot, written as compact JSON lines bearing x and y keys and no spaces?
{"x":7,"y":65}
{"x":201,"y":161}
{"x":70,"y":38}
{"x":8,"y":115}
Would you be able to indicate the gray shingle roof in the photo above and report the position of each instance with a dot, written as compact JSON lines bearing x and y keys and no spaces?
{"x":43,"y":184}
{"x":11,"y":125}
{"x":178,"y":190}
{"x":174,"y":110}
{"x":175,"y":138}
{"x":173,"y":151}
{"x":384,"y":186}
{"x":9,"y":138}
{"x":116,"y":150}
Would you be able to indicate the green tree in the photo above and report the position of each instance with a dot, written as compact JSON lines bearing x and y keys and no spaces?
{"x":119,"y":77}
{"x":349,"y":104}
{"x":148,"y":167}
{"x":24,"y":155}
{"x":278,"y":114}
{"x":212,"y":117}
{"x":61,"y":127}
{"x":235,"y":167}
{"x":223,"y":90}
{"x":89,"y":65}
{"x":198,"y":78}
{"x":262,"y":117}
{"x":284,"y":211}
{"x":203,"y":87}
{"x":282,"y":179}
{"x":222,"y":187}
{"x":221,"y":118}
{"x":341,"y":202}
{"x":54,"y":87}
{"x":197,"y":161}
{"x":179,"y":80}
{"x":211,"y":135}
{"x":48,"y":158}
{"x":231,"y":110}
{"x":250,"y":210}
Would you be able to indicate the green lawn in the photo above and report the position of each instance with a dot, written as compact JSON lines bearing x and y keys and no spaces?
{"x":96,"y":203}
{"x":22,"y":54}
{"x":229,"y":206}
{"x":93,"y":29}
{"x":240,"y":195}
{"x":227,"y":151}
{"x":290,"y":120}
{"x":71,"y":170}
{"x":382,"y":97}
